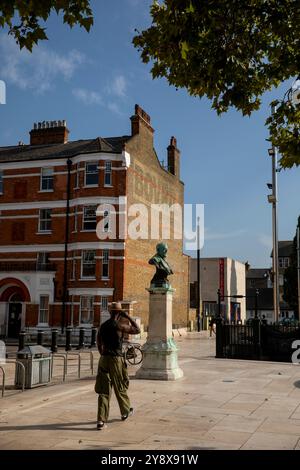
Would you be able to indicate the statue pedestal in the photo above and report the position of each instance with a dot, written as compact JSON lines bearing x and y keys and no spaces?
{"x":160,"y":350}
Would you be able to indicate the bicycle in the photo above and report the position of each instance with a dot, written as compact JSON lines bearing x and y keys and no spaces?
{"x":133,"y":353}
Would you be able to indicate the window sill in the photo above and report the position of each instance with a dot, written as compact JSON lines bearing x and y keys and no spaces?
{"x":87,"y":279}
{"x":46,"y":191}
{"x":42,"y":325}
{"x":44,"y":233}
{"x":86,"y":186}
{"x":89,"y":230}
{"x":105,"y":279}
{"x":108,"y":186}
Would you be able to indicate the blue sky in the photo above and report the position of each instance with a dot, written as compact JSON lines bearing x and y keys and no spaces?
{"x":93,"y":81}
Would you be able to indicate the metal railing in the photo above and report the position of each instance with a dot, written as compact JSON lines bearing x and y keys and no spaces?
{"x":12,"y":361}
{"x":3,"y":380}
{"x":79,"y":355}
{"x":66,"y":355}
{"x":63,"y":356}
{"x":255,"y":340}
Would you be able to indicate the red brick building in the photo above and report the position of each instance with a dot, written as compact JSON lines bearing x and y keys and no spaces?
{"x":54,"y":269}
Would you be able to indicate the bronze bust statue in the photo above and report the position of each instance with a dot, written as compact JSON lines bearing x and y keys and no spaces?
{"x":163,"y":269}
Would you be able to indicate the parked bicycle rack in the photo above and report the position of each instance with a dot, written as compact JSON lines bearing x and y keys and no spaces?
{"x":63,"y":356}
{"x":3,"y":380}
{"x":78,"y":354}
{"x":92,"y":361}
{"x":12,"y":361}
{"x":91,"y":353}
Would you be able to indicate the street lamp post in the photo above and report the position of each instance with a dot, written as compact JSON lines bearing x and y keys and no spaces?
{"x":198,"y":277}
{"x":298,"y":268}
{"x":294,"y":97}
{"x":256,"y":304}
{"x":273,"y":199}
{"x":219,"y":326}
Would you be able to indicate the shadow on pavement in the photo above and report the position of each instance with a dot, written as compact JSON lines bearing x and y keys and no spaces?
{"x":57,"y":426}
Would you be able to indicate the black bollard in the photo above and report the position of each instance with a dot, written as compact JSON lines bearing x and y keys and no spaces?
{"x":54,"y":341}
{"x":22,"y":337}
{"x":81,"y":338}
{"x":93,"y":338}
{"x":40,"y":337}
{"x":68,"y":338}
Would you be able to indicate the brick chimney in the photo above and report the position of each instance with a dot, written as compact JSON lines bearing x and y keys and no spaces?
{"x":140,"y":120}
{"x":174,"y":158}
{"x":49,"y":132}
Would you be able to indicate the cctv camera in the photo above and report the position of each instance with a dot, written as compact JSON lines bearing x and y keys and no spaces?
{"x":271,"y":152}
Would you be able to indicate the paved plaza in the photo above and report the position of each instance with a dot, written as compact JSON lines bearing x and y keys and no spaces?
{"x":219,"y":404}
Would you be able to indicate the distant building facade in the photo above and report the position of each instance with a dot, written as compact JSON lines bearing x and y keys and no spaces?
{"x":54,"y":269}
{"x":225,"y":274}
{"x":261,"y":280}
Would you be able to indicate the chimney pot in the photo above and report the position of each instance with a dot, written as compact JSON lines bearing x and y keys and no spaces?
{"x":139,"y":119}
{"x":49,"y":132}
{"x":173,"y":141}
{"x":174,"y":158}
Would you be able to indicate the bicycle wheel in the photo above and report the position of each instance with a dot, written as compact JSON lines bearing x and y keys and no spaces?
{"x":134,"y":355}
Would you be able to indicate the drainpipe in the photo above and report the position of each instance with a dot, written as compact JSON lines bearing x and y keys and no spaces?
{"x":65,"y":282}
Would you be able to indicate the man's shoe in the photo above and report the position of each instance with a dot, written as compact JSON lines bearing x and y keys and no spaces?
{"x":100,"y":425}
{"x":130,"y":413}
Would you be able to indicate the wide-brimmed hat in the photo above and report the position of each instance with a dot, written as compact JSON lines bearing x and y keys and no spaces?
{"x":116,"y":306}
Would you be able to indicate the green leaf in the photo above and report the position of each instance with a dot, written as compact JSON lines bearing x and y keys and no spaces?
{"x":24,"y":18}
{"x":232,"y":52}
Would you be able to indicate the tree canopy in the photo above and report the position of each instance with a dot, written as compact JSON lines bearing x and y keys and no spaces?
{"x":24,"y":18}
{"x":231,"y":51}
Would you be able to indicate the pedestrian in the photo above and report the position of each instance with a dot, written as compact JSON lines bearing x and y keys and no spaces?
{"x":264,"y":320}
{"x":112,"y":368}
{"x":211,"y":326}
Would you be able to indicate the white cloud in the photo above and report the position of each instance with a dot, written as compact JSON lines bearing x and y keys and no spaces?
{"x":37,"y":70}
{"x":114,"y":108}
{"x":265,"y":240}
{"x":222,"y":236}
{"x":118,"y":86}
{"x":90,"y":97}
{"x":87,"y":97}
{"x":134,"y":3}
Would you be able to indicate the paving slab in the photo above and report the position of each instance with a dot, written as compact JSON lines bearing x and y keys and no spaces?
{"x":218,"y":404}
{"x":270,"y":441}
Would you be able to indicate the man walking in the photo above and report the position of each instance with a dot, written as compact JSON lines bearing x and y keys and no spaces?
{"x":112,"y":369}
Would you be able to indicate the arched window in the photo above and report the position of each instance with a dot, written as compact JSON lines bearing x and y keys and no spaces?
{"x":16,"y":298}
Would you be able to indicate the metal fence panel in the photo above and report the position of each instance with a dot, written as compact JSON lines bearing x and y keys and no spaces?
{"x":256,"y":341}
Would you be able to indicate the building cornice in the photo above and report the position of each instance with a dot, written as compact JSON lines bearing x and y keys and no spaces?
{"x":60,"y":247}
{"x":80,"y":201}
{"x":117,"y":157}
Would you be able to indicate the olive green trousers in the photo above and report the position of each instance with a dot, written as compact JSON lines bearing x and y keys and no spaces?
{"x":112,"y":372}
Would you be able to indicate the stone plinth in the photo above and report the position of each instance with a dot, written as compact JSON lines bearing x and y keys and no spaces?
{"x":160,"y":350}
